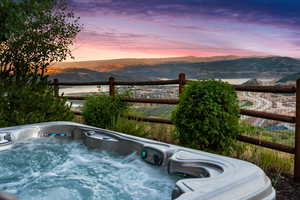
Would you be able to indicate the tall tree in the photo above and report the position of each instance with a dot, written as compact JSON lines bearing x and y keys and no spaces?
{"x":34,"y":33}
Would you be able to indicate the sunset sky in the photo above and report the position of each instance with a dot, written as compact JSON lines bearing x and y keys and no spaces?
{"x":167,"y":28}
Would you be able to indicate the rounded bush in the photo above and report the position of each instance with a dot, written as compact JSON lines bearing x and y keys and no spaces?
{"x":207,"y":116}
{"x":103,"y":111}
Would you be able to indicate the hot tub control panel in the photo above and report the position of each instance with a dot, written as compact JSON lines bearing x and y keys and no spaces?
{"x":152,"y":156}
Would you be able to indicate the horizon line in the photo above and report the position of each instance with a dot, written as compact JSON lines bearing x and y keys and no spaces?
{"x":124,"y":58}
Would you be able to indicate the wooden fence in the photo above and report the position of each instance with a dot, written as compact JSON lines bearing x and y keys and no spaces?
{"x":181,"y":81}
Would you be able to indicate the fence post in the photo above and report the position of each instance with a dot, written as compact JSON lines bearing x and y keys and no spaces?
{"x":111,"y":81}
{"x":297,"y":135}
{"x":56,"y":87}
{"x":181,"y":79}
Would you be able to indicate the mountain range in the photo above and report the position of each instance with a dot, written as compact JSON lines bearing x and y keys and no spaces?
{"x":169,"y":68}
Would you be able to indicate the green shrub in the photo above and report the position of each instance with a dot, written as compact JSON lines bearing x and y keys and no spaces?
{"x":207,"y":115}
{"x":31,"y":103}
{"x":103,"y":111}
{"x":131,"y":127}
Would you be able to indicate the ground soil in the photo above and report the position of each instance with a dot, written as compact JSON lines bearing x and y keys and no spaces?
{"x":286,"y":188}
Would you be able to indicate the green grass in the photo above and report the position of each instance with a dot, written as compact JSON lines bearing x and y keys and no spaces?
{"x":267,"y":159}
{"x":160,"y":111}
{"x":285,"y":137}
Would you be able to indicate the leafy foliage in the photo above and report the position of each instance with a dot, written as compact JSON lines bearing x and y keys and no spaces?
{"x":31,"y":104}
{"x":207,"y":115}
{"x":34,"y":33}
{"x":103,"y":111}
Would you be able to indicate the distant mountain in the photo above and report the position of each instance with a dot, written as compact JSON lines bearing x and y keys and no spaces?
{"x":84,"y":75}
{"x":267,"y":67}
{"x":289,"y":79}
{"x":109,"y":65}
{"x":216,"y":67}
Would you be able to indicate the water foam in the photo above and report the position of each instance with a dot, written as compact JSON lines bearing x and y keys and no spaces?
{"x":48,"y":169}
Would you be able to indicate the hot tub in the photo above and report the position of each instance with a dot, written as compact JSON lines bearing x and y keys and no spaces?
{"x":65,"y":160}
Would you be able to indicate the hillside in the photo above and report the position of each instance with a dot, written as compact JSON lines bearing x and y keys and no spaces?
{"x":109,"y":65}
{"x":252,"y":67}
{"x":269,"y":67}
{"x":84,"y":75}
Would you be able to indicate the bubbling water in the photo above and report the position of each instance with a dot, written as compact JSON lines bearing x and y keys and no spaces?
{"x":51,"y":169}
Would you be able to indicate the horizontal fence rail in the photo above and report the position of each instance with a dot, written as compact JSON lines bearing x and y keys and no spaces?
{"x":143,"y":83}
{"x":265,"y":89}
{"x":267,"y":144}
{"x":135,"y":83}
{"x":80,"y":83}
{"x":148,"y":119}
{"x":266,"y":115}
{"x":181,"y":81}
{"x":154,"y":101}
